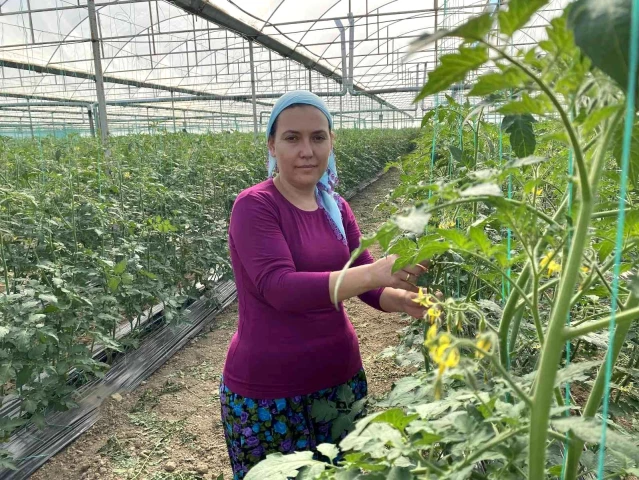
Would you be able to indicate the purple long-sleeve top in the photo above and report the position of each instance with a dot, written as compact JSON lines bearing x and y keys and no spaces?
{"x":291,"y":340}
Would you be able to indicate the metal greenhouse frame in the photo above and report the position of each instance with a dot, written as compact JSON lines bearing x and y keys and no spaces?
{"x":125,"y":66}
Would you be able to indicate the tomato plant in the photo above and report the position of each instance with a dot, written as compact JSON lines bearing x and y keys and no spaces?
{"x":513,"y":195}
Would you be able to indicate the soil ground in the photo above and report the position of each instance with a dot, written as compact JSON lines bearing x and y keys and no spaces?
{"x":169,"y":428}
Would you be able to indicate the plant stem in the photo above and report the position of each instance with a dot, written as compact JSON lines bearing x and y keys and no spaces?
{"x":625,"y":317}
{"x":506,"y":376}
{"x":553,"y":347}
{"x":509,"y":311}
{"x":596,"y":394}
{"x":519,"y":315}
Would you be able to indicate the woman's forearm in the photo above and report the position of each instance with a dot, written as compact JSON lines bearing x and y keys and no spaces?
{"x":356,"y":280}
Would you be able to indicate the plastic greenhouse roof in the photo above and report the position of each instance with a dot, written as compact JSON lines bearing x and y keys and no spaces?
{"x":187,"y":62}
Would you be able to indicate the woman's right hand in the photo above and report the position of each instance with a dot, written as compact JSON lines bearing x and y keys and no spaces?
{"x":404,"y":278}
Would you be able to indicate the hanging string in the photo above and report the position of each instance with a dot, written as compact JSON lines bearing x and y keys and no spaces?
{"x":625,"y":161}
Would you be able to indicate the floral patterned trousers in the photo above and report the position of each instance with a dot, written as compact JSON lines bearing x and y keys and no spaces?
{"x":255,"y":428}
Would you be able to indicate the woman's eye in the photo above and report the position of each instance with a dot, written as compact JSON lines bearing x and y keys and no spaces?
{"x":320,"y":138}
{"x":291,"y":138}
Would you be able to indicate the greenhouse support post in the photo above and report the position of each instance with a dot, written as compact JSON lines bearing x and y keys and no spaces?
{"x":97,"y":62}
{"x":252,"y":62}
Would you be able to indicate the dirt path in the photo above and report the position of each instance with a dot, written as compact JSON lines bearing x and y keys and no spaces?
{"x":170,"y":429}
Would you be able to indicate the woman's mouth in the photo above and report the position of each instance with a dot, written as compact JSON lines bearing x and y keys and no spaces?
{"x":307,"y":166}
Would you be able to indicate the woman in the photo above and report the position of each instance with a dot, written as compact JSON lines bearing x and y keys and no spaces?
{"x":289,"y":238}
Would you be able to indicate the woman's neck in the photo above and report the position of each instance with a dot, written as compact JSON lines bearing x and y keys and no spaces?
{"x":304,"y":199}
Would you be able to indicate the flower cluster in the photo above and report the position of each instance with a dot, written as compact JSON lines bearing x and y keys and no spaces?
{"x":484,"y":344}
{"x":548,"y":262}
{"x":447,"y":224}
{"x":443,"y":354}
{"x":428,"y":301}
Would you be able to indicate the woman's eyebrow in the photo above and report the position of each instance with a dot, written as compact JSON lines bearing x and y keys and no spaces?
{"x":297,"y":132}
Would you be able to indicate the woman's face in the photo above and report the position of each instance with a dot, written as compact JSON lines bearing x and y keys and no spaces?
{"x":301,"y":145}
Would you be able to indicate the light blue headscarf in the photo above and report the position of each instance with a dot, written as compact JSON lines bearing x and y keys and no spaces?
{"x":325,"y":189}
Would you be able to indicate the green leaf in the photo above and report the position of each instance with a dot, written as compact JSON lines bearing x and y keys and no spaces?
{"x":495,"y":81}
{"x":475,"y":29}
{"x":324,"y":410}
{"x":428,"y":247}
{"x":560,"y":38}
{"x":575,"y":371}
{"x":120,"y":267}
{"x":456,"y":153}
{"x":350,"y":474}
{"x":527,"y":104}
{"x":427,"y":117}
{"x":345,"y":394}
{"x":23,"y":376}
{"x":457,"y":238}
{"x":405,"y":248}
{"x":113,"y":283}
{"x":518,"y":14}
{"x":480,"y":239}
{"x":328,"y":450}
{"x":522,"y":135}
{"x":29,"y":406}
{"x":602,"y":32}
{"x":311,"y":471}
{"x":399,"y":473}
{"x":4,"y":331}
{"x":280,"y":467}
{"x":526,"y":161}
{"x":589,"y":430}
{"x":415,"y":221}
{"x":341,"y":424}
{"x":395,"y":417}
{"x":597,"y":118}
{"x":48,"y":298}
{"x":453,"y":68}
{"x":6,"y":372}
{"x":380,"y":433}
{"x":633,"y":171}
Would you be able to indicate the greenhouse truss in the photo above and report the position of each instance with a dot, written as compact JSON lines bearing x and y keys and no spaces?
{"x":217,"y":65}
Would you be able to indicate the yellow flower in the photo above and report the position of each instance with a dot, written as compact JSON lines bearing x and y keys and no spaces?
{"x":585,"y":270}
{"x":553,"y":267}
{"x":452,"y":358}
{"x":433,"y":314}
{"x":443,"y":354}
{"x":432,"y":334}
{"x":446,"y":224}
{"x":483,"y":343}
{"x":423,"y":299}
{"x":127,"y":175}
{"x":539,"y":192}
{"x":544,"y":261}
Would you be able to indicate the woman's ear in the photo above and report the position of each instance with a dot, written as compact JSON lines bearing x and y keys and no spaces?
{"x":271,"y":146}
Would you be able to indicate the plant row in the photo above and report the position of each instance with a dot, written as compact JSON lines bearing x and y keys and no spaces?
{"x":90,"y":238}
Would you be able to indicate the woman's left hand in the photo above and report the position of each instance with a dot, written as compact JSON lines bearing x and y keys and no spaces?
{"x":407,"y":305}
{"x":398,"y":300}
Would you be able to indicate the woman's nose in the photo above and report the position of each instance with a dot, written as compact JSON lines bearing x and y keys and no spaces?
{"x":306,"y":149}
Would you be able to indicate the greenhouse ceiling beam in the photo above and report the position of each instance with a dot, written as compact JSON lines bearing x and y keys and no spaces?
{"x":215,"y":15}
{"x":69,"y":7}
{"x":123,"y":81}
{"x":42,"y":97}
